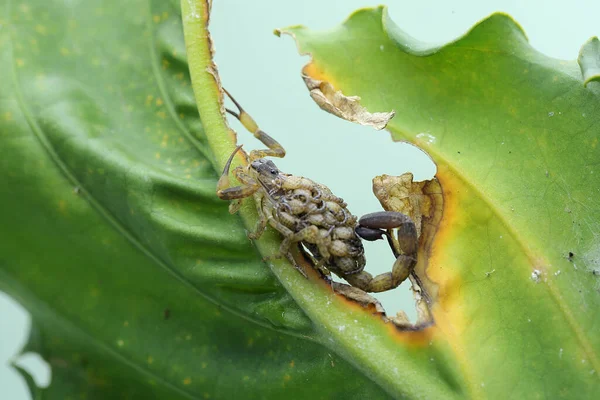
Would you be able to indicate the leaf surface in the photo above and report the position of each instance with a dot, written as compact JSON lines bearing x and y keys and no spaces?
{"x":140,"y":283}
{"x":514,"y":135}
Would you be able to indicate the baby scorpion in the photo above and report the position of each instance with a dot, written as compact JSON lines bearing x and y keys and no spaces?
{"x":308,"y":214}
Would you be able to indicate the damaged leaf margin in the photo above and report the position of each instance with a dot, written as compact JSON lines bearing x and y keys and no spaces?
{"x":222,"y":140}
{"x":362,"y":338}
{"x":422,"y":201}
{"x":475,"y":295}
{"x":346,"y":107}
{"x":335,"y":102}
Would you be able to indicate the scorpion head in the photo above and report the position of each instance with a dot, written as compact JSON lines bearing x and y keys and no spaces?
{"x":267,"y":173}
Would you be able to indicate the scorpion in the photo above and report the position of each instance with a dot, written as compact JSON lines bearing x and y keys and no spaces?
{"x":309,"y":215}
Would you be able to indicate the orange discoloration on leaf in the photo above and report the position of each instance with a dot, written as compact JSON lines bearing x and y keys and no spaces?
{"x":444,"y":271}
{"x":312,"y":70}
{"x":447,"y":309}
{"x":412,"y":338}
{"x":206,"y":6}
{"x":420,"y":338}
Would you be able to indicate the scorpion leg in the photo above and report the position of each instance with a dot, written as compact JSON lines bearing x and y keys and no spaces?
{"x":357,"y":295}
{"x":373,"y":227}
{"x":262,"y":219}
{"x":284,"y":249}
{"x":274,"y":148}
{"x":322,"y":269}
{"x":226,"y":192}
{"x":237,"y":193}
{"x":310,"y":234}
{"x":317,"y":264}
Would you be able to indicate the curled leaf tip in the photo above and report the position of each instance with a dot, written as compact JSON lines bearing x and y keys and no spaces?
{"x":346,"y":107}
{"x":589,"y":60}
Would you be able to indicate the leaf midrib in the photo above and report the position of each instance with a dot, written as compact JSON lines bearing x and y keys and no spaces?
{"x":106,"y":215}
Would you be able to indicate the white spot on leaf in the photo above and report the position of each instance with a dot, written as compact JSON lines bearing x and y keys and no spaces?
{"x":426,"y":137}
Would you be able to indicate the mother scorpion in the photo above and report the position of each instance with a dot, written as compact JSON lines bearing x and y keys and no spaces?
{"x":308,"y":214}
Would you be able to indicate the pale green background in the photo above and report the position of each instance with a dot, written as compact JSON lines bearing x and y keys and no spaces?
{"x":264,"y":74}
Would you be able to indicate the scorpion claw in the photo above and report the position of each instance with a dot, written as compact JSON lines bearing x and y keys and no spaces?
{"x":384,"y":220}
{"x":370,"y":234}
{"x":223,"y":183}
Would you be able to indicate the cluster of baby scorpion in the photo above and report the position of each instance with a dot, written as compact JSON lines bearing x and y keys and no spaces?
{"x":306,"y":209}
{"x":309,"y":215}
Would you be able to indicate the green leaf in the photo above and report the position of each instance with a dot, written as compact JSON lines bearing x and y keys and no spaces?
{"x":514,"y":135}
{"x":140,"y":283}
